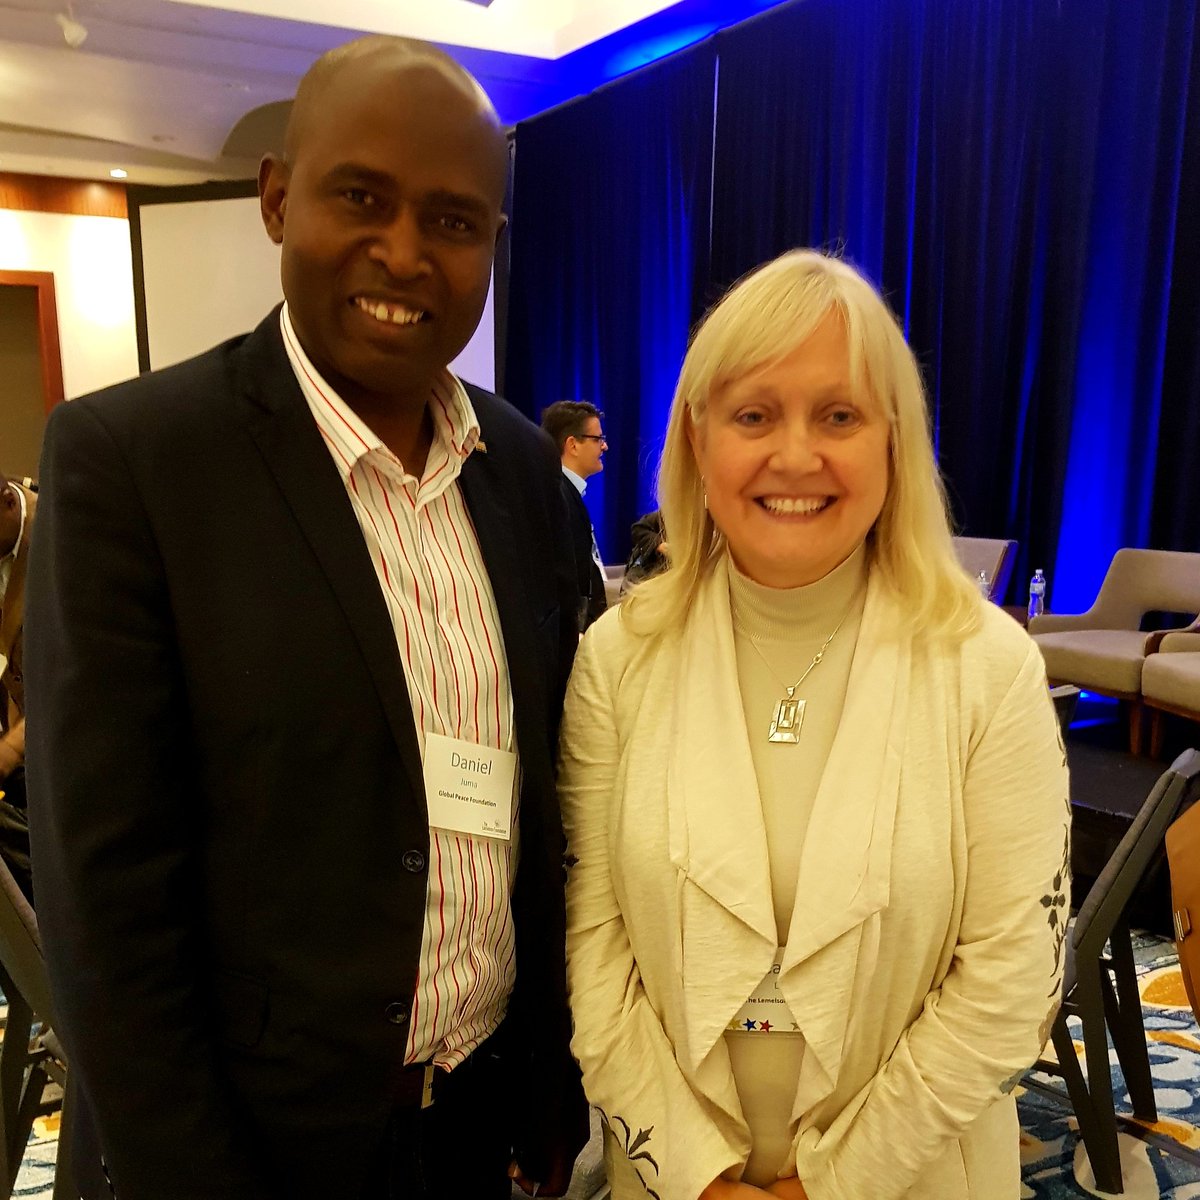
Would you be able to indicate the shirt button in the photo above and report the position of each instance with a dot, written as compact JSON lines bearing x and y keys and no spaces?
{"x":413,"y":860}
{"x":396,"y":1012}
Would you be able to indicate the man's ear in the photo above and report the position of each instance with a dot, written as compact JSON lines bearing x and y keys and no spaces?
{"x":500,"y":228}
{"x":273,"y":179}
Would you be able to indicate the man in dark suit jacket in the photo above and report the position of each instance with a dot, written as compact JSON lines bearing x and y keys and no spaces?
{"x":574,"y":426}
{"x":233,"y":691}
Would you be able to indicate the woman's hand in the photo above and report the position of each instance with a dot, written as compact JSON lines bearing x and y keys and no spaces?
{"x":788,"y":1189}
{"x":723,"y":1189}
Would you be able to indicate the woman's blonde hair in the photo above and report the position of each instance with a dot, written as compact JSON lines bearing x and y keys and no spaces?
{"x":761,"y":320}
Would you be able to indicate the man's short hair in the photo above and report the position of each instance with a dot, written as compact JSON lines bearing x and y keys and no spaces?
{"x":568,"y":418}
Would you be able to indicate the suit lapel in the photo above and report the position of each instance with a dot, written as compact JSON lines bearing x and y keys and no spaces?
{"x":278,"y":420}
{"x":717,"y":839}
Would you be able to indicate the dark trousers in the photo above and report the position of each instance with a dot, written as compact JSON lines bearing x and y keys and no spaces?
{"x":460,"y":1146}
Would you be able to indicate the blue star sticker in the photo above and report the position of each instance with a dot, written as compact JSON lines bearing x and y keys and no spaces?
{"x":749,"y":1025}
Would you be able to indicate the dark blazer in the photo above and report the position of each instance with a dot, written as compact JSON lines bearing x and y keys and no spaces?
{"x":230,"y":829}
{"x":589,"y":582}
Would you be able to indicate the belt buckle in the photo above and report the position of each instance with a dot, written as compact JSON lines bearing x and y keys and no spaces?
{"x":427,"y":1085}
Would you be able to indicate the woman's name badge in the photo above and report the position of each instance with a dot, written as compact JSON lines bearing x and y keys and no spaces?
{"x":469,"y":788}
{"x":766,"y":1011}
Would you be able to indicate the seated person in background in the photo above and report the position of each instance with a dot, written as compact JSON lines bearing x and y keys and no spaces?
{"x":813,"y":791}
{"x":574,"y":426}
{"x":17,"y":506}
{"x":648,"y":553}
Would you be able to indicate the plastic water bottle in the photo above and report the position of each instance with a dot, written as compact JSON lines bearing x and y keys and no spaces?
{"x":1037,"y":594}
{"x":984,"y":584}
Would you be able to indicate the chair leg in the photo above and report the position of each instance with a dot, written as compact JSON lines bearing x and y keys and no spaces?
{"x":31,"y":1102}
{"x":64,"y":1167}
{"x":1135,"y":728}
{"x":14,"y":1058}
{"x":1099,"y":1130}
{"x":1081,"y":1101}
{"x":1158,"y":724}
{"x":1123,"y":1008}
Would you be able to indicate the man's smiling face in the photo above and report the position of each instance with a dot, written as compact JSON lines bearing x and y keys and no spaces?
{"x":388,"y":213}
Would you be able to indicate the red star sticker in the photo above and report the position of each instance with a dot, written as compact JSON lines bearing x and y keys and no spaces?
{"x":765,"y":1026}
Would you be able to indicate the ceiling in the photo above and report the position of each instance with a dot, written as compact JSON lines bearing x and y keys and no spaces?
{"x":178,"y":93}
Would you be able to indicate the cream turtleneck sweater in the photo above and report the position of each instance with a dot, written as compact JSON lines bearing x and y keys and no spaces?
{"x":776,"y":634}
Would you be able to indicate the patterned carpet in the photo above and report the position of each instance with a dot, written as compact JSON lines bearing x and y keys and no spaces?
{"x":1054,"y":1166}
{"x":1053,"y":1163}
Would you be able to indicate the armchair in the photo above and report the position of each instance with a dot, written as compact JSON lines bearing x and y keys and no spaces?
{"x":1103,"y":649}
{"x":995,"y":556}
{"x":1171,"y":679}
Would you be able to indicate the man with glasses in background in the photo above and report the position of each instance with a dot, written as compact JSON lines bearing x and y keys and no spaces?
{"x":575,"y":427}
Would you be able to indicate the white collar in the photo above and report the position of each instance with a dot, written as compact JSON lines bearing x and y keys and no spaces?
{"x":11,"y":556}
{"x":9,"y":560}
{"x":578,"y":480}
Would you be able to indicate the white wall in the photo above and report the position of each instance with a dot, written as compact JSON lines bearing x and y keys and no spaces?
{"x":91,"y":262}
{"x":212,"y":273}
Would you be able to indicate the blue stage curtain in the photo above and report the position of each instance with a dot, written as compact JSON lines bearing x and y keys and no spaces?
{"x":1014,"y":174}
{"x":609,"y":233}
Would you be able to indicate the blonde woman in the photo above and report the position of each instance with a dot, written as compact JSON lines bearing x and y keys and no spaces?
{"x":814,"y":793}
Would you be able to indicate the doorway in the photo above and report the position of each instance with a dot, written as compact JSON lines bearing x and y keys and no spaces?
{"x":30,"y":367}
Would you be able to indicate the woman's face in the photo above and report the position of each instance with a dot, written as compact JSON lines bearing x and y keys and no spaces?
{"x":795,"y":462}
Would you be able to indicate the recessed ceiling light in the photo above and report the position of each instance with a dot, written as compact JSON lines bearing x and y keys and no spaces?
{"x":118,"y":173}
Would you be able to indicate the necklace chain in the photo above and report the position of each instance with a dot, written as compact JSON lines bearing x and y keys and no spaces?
{"x":816,"y":661}
{"x":789,"y":712}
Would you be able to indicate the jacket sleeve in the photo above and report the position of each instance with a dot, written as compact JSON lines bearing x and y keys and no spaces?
{"x":630,"y":1071}
{"x":116,"y":830}
{"x":986,"y":1024}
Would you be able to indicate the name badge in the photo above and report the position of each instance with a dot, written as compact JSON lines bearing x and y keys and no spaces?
{"x":469,"y":788}
{"x":766,"y":1011}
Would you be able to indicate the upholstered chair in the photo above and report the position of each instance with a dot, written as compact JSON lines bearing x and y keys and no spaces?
{"x":1104,"y":648}
{"x":995,"y":556}
{"x":1171,"y":680}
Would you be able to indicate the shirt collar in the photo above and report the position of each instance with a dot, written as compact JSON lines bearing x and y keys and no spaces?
{"x":11,"y":556}
{"x":8,"y":561}
{"x":455,"y":425}
{"x":578,"y":480}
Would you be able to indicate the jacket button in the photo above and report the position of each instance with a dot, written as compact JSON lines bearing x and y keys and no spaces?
{"x":396,"y":1012}
{"x":413,"y":860}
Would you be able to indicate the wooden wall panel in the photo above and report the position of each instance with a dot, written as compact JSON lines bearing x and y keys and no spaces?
{"x":77,"y":197}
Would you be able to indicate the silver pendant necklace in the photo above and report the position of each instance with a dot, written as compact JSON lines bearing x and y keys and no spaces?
{"x":788,"y":716}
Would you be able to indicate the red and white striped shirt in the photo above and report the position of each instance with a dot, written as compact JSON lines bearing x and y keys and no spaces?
{"x":430,"y":570}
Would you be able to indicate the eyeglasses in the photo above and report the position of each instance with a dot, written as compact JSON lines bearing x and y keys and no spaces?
{"x":591,"y":437}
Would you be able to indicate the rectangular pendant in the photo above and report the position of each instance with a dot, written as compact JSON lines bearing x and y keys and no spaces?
{"x":786,"y":721}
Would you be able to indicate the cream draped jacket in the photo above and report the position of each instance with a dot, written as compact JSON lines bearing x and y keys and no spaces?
{"x":925,"y":953}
